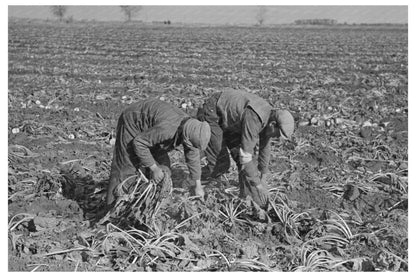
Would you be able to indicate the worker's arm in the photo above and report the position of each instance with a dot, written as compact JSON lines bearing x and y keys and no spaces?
{"x":251,"y":127}
{"x":264,"y":154}
{"x":193,"y":161}
{"x":148,"y":139}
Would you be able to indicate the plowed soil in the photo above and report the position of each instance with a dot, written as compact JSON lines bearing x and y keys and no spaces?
{"x":347,"y":161}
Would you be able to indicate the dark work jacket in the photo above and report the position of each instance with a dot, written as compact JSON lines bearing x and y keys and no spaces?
{"x":246,"y":115}
{"x":145,"y":127}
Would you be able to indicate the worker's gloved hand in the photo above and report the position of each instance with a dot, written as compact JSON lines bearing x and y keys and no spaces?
{"x":259,"y":194}
{"x":157,"y":173}
{"x":263,"y":195}
{"x":252,"y":185}
{"x":195,"y":187}
{"x":166,"y":183}
{"x":199,"y":190}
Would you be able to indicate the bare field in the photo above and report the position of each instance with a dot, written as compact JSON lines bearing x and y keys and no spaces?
{"x":338,"y":189}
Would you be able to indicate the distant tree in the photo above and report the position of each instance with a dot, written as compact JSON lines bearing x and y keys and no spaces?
{"x":316,"y":21}
{"x":130,"y":11}
{"x":261,"y":15}
{"x":58,"y":11}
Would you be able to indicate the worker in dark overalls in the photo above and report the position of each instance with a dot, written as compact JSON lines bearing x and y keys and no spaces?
{"x":239,"y":121}
{"x":146,"y":132}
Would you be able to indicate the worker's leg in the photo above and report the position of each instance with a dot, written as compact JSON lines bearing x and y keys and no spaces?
{"x":123,"y":164}
{"x":216,"y":152}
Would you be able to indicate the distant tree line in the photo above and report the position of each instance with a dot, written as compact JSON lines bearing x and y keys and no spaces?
{"x":318,"y":21}
{"x":381,"y":24}
{"x":131,"y":12}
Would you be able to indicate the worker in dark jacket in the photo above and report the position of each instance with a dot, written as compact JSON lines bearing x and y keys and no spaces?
{"x":146,"y":132}
{"x":239,"y":121}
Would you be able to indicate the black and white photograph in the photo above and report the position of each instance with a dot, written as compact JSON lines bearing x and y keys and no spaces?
{"x":264,"y":136}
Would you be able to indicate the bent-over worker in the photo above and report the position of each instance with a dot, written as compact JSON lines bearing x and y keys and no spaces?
{"x":146,"y":132}
{"x":239,"y":121}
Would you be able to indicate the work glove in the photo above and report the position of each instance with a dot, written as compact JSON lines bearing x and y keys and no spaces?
{"x":251,"y":184}
{"x":157,"y":173}
{"x":258,"y":193}
{"x":166,"y":183}
{"x":199,"y":190}
{"x":262,"y":195}
{"x":196,"y":186}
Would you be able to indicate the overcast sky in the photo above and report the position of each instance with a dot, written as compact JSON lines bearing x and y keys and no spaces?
{"x":226,"y":14}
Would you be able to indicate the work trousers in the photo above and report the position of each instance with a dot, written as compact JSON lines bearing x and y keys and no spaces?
{"x":217,"y":154}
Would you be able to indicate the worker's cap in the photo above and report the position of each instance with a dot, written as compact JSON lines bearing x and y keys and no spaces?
{"x":197,"y":133}
{"x":285,"y":122}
